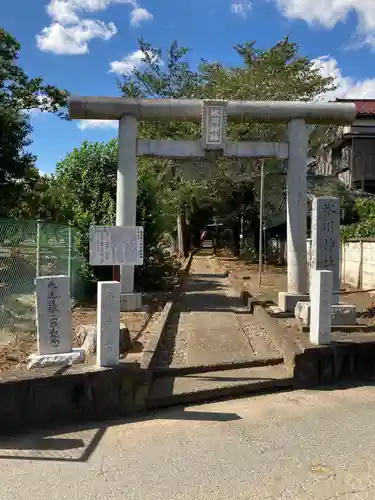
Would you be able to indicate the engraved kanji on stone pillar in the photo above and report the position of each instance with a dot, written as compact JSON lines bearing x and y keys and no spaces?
{"x":325,"y":239}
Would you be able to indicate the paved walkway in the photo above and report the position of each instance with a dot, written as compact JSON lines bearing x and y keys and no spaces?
{"x":209,"y":317}
{"x":211,"y":325}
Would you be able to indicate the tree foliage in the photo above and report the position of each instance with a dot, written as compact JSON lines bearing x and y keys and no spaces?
{"x":19,"y":94}
{"x":18,"y":91}
{"x":364,"y":220}
{"x":85,"y":187}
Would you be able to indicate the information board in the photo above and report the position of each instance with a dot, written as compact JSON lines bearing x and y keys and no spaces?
{"x":116,"y":245}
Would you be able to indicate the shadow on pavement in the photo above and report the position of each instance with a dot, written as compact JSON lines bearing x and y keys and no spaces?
{"x":48,"y":446}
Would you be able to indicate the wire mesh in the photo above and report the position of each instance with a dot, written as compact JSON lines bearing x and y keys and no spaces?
{"x":29,"y":249}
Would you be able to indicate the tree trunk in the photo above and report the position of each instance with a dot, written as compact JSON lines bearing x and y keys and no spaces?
{"x":236,"y":240}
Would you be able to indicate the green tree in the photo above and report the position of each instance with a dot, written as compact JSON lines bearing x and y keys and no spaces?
{"x":20,"y":92}
{"x":18,"y":95}
{"x":85,"y":189}
{"x":363,"y":220}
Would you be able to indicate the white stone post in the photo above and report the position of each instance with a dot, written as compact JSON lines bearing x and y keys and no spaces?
{"x":54,"y":323}
{"x":53,"y":315}
{"x":108,"y":323}
{"x":126,"y":195}
{"x":296,"y":216}
{"x":321,"y":307}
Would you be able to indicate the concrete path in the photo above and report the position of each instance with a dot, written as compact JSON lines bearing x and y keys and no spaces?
{"x":210,"y":324}
{"x":299,"y":445}
{"x":209,"y":317}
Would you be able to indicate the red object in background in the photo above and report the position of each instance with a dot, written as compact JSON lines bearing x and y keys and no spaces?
{"x":116,"y":273}
{"x":203,"y":235}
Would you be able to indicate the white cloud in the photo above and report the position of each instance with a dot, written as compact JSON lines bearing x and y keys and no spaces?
{"x":73,"y":39}
{"x":128,"y":63}
{"x":138,"y":15}
{"x":348,"y":87}
{"x":90,"y":124}
{"x":330,"y":12}
{"x":69,"y":33}
{"x":241,"y":9}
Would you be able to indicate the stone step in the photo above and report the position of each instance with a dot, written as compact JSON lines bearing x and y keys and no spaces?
{"x":176,"y":390}
{"x":174,"y":371}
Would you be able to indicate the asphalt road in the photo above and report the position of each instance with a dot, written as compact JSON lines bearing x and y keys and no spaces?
{"x":295,"y":445}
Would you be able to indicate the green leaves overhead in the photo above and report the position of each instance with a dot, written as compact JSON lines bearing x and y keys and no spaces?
{"x":18,"y":91}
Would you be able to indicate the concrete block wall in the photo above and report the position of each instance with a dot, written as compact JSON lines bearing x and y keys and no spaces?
{"x":357,"y":264}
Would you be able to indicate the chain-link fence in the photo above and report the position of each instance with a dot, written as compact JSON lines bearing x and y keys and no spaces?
{"x":29,"y":249}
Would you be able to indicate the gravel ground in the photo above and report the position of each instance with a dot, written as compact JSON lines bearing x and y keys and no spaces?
{"x":173,"y":350}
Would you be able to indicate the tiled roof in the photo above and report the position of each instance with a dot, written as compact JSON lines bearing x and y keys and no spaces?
{"x":364,"y":107}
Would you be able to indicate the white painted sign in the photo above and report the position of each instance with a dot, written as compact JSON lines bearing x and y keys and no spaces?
{"x":116,"y":245}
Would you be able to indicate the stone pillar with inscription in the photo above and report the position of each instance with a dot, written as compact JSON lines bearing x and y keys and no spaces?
{"x":108,"y":323}
{"x":325,"y":240}
{"x":325,"y":256}
{"x":54,"y":323}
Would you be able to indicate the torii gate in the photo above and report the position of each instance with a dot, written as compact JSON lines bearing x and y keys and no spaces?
{"x":213,"y":115}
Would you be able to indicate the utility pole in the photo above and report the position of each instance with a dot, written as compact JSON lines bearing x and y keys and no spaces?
{"x":242,"y":228}
{"x":261,"y":216}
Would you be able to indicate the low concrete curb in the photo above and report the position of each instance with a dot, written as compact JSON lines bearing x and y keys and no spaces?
{"x":195,"y":369}
{"x":46,"y":397}
{"x":218,"y":394}
{"x":149,"y":355}
{"x":301,"y":367}
{"x":208,"y":386}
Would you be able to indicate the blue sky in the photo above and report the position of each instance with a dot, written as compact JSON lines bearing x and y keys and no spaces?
{"x":79,"y":45}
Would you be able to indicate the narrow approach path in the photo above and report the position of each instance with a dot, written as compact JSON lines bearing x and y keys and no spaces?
{"x":210,"y":324}
{"x":211,"y":331}
{"x":209,"y":317}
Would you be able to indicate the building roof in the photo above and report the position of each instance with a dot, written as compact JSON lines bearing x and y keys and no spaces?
{"x":365,"y":107}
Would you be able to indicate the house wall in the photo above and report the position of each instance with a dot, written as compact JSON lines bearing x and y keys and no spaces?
{"x":363,"y":159}
{"x":345,"y":163}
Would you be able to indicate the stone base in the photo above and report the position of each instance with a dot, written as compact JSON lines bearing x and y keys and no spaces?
{"x":68,"y":358}
{"x":130,"y":302}
{"x":288,"y":301}
{"x":342,"y":314}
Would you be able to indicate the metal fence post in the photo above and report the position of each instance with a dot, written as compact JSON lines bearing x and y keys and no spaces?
{"x":38,"y":222}
{"x":70,"y":257}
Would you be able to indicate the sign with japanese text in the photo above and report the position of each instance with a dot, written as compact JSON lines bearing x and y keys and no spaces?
{"x":116,"y":245}
{"x":214,"y":124}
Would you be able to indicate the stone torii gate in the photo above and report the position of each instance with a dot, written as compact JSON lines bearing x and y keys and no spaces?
{"x":213,"y":115}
